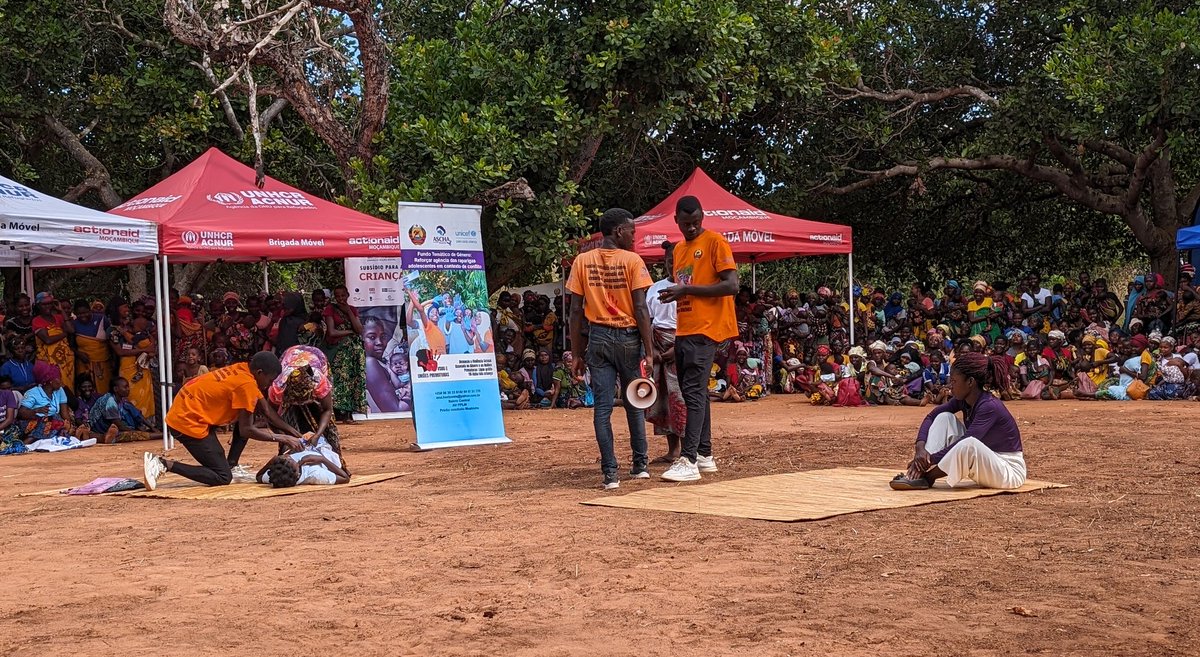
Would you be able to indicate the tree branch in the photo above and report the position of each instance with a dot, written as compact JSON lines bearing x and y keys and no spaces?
{"x":915,"y":98}
{"x":96,"y":176}
{"x":516,"y":190}
{"x":205,"y":66}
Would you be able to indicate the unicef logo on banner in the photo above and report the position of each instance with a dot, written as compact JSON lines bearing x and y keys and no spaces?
{"x":228,"y":199}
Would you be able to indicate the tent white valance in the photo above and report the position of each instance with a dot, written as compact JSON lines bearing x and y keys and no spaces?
{"x":37,"y":230}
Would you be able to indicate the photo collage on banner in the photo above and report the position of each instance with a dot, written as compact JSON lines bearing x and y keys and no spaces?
{"x":456,"y":394}
{"x":376,"y":287}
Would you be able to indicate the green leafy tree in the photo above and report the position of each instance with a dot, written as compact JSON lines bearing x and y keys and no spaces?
{"x":1095,"y":101}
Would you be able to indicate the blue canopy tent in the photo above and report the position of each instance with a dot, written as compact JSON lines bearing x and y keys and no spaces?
{"x":1188,"y":238}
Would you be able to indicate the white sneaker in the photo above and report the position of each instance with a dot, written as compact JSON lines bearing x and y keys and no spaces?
{"x":611,"y":484}
{"x":640,"y":474}
{"x":152,"y":468}
{"x":706,"y":463}
{"x":682,"y":470}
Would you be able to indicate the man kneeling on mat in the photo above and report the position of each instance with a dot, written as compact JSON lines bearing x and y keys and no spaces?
{"x":985,"y":450}
{"x":217,"y":399}
{"x":318,"y":465}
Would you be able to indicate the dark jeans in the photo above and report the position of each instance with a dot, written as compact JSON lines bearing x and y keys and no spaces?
{"x":213,"y":469}
{"x":693,"y":361}
{"x":614,"y":355}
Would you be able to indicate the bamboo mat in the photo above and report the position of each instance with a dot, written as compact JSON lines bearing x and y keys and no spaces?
{"x":186,"y":490}
{"x":797,"y":496}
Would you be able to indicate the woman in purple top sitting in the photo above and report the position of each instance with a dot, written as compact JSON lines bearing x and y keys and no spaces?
{"x":983,"y":447}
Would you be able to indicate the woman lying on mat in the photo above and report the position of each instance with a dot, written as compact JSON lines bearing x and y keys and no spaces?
{"x":986,"y":449}
{"x":317,"y":465}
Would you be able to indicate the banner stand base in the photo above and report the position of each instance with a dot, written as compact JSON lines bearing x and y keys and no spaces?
{"x":428,"y":447}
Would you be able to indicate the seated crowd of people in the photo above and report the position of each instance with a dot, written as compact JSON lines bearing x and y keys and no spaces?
{"x":1076,"y":339}
{"x":90,"y":368}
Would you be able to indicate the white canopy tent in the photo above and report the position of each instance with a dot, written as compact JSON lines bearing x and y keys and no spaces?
{"x":43,"y":232}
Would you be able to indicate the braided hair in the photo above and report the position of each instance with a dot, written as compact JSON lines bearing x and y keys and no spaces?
{"x":284,"y":472}
{"x":976,"y":366}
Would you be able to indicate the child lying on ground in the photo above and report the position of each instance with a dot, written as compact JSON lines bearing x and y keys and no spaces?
{"x":317,"y":465}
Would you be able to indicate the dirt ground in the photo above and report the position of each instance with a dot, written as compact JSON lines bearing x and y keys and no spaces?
{"x":487,"y":551}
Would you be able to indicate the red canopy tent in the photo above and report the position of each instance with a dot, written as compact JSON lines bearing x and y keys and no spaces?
{"x":211,"y":210}
{"x":755,"y":235}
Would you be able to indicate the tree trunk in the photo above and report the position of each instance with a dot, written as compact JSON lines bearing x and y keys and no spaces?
{"x":137,"y":282}
{"x":1164,"y":259}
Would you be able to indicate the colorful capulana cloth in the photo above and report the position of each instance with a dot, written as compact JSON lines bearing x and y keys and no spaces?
{"x":294,"y":360}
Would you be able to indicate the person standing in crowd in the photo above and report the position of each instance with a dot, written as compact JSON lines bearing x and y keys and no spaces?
{"x":669,"y":412}
{"x":52,"y":331}
{"x":133,"y":344}
{"x":217,"y":399}
{"x":21,"y":324}
{"x":93,"y":357}
{"x":608,"y":285}
{"x":347,"y":359}
{"x":705,"y":281}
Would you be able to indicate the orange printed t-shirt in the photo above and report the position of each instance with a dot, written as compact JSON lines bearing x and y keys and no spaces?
{"x":699,"y":262}
{"x":213,"y":399}
{"x":606,"y":278}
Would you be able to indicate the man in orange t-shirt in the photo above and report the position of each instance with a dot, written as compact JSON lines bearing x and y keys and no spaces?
{"x":216,"y":399}
{"x":705,"y":282}
{"x":608,"y":285}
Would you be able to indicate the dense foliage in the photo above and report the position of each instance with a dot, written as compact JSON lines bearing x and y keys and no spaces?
{"x":958,"y":138}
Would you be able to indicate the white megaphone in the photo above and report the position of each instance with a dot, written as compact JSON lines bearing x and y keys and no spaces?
{"x":641,"y":392}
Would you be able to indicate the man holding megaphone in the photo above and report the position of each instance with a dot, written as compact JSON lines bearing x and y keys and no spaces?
{"x":608,"y":285}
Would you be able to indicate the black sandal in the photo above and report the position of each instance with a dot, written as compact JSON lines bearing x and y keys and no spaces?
{"x":902,"y":482}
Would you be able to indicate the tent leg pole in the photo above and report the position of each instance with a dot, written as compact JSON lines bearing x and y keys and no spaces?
{"x":850,"y":293}
{"x":266,"y":277}
{"x":754,"y":276}
{"x":24,"y":290}
{"x":162,"y":354}
{"x":169,"y":398}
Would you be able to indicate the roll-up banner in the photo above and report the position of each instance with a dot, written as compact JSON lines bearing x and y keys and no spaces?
{"x":376,"y":287}
{"x":455,"y":391}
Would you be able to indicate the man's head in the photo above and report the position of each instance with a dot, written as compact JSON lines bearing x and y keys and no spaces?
{"x":689,"y":216}
{"x":265,"y":367}
{"x":284,"y":472}
{"x":617,"y":223}
{"x":120,"y":388}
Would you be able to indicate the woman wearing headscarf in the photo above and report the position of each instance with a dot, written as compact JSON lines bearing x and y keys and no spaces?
{"x":44,"y":412}
{"x":984,"y":447}
{"x":979,"y":313}
{"x":187,"y":331}
{"x":93,"y":356}
{"x":53,"y":332}
{"x":133,"y":343}
{"x":1061,"y":357}
{"x":1154,"y":306}
{"x":1135,"y":293}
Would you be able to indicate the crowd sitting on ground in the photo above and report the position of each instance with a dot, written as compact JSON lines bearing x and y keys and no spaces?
{"x":89,"y":368}
{"x":1076,"y":339}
